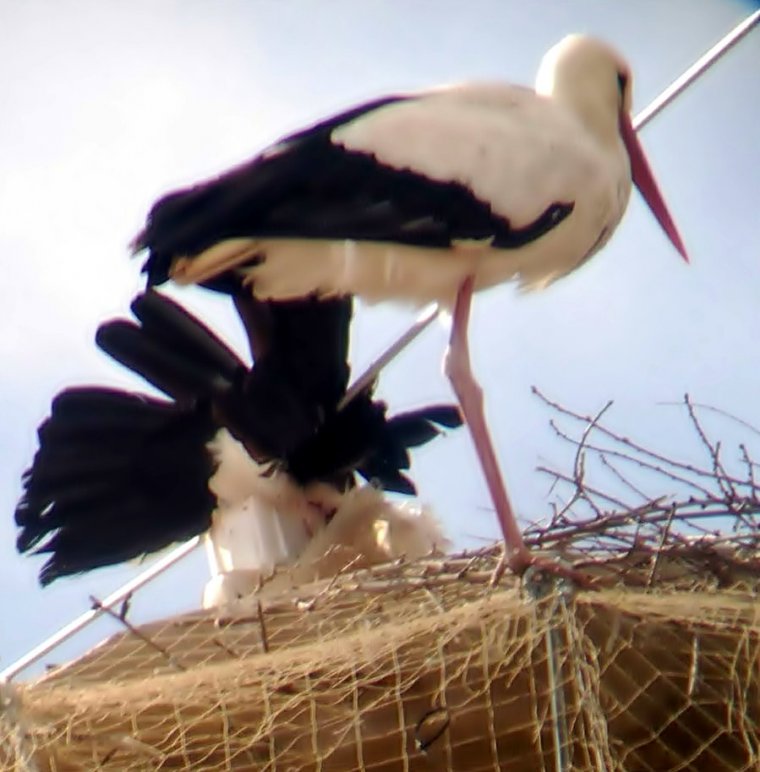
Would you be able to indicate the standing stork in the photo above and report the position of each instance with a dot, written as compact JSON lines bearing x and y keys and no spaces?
{"x":426,"y":197}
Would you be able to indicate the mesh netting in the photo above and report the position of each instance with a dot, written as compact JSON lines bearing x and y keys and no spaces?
{"x":437,"y":664}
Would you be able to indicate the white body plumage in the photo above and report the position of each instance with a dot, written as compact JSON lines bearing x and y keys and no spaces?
{"x":264,"y":521}
{"x":519,"y":152}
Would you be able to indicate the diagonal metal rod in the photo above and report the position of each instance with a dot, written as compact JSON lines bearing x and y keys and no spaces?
{"x":557,"y":704}
{"x":707,"y":60}
{"x":427,"y":315}
{"x":38,"y":652}
{"x":551,"y":594}
{"x":424,"y":320}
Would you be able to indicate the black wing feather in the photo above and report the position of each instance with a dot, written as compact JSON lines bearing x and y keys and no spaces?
{"x":119,"y":475}
{"x":170,"y":371}
{"x":309,"y":187}
{"x":166,"y":320}
{"x":361,"y":438}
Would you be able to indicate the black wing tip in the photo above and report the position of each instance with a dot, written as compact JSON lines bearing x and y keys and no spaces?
{"x":418,"y":427}
{"x":27,"y":539}
{"x":86,"y":505}
{"x":49,"y":573}
{"x":68,"y":556}
{"x":140,"y":300}
{"x":157,"y":275}
{"x":138,"y":243}
{"x":153,"y":300}
{"x":400,"y":483}
{"x":447,"y":415}
{"x":55,"y":568}
{"x":390,"y":482}
{"x":109,"y":333}
{"x":25,"y":516}
{"x":154,"y":267}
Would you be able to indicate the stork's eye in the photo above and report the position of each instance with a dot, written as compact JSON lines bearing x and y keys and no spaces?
{"x":622,"y":84}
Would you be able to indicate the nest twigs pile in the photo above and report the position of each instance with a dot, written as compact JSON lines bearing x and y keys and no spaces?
{"x":707,"y":523}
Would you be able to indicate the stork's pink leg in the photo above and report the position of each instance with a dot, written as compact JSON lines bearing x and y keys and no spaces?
{"x":470,"y":397}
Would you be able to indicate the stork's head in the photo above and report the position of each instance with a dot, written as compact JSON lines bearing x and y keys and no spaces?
{"x":593,"y":81}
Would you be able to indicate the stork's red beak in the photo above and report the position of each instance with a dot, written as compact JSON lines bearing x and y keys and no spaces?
{"x":644,"y":181}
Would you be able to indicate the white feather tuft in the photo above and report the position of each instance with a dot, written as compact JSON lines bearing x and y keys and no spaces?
{"x":366,"y":530}
{"x":264,"y":521}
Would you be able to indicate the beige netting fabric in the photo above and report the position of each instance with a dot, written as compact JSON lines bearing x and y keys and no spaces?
{"x":440,"y":664}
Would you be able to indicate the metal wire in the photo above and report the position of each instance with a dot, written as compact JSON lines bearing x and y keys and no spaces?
{"x":112,"y":600}
{"x":424,"y":320}
{"x":723,"y":46}
{"x":428,"y":314}
{"x":551,"y":593}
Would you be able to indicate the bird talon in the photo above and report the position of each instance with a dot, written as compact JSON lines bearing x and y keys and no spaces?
{"x":544,"y":573}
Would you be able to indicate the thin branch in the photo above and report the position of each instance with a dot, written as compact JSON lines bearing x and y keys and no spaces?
{"x":97,"y":604}
{"x":684,"y":466}
{"x":661,"y":546}
{"x":568,"y":479}
{"x":713,"y":450}
{"x":718,"y":411}
{"x":623,"y":479}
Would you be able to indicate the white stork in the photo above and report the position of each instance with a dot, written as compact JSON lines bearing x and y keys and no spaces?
{"x":426,"y":197}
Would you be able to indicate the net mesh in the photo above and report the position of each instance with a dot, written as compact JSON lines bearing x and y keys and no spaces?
{"x":441,"y":664}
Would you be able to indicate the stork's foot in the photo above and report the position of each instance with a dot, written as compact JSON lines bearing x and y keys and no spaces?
{"x":553,"y":569}
{"x":543,"y":569}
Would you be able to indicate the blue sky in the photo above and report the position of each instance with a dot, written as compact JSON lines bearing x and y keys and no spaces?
{"x":107,"y":105}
